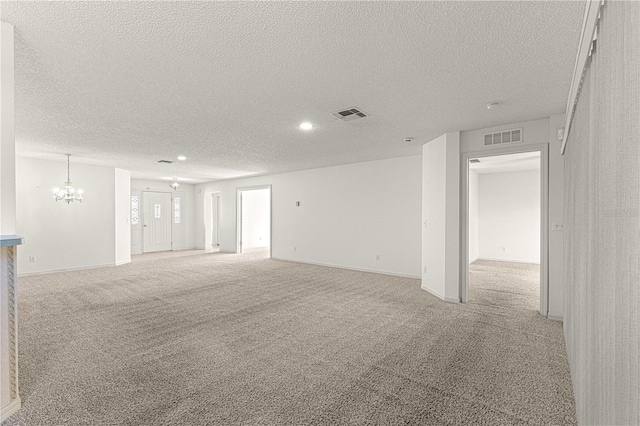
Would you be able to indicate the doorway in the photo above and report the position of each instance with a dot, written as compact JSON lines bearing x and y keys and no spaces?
{"x":504,"y":226}
{"x":504,"y":230}
{"x":215,"y":222}
{"x":254,"y":219}
{"x":156,"y":228}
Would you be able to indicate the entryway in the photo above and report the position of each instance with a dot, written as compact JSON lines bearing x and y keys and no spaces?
{"x":254,"y":219}
{"x":506,"y":203}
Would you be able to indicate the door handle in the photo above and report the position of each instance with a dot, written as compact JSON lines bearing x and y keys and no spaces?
{"x":144,"y":225}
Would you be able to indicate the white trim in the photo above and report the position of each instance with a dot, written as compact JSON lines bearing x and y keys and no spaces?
{"x":440,"y":296}
{"x":589,"y":25}
{"x":434,"y":293}
{"x":495,"y":259}
{"x":351,"y":268}
{"x":10,"y":409}
{"x":555,"y":317}
{"x":55,"y":271}
{"x":544,"y":217}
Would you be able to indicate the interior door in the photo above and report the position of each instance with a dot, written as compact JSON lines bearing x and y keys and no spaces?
{"x":157,"y":221}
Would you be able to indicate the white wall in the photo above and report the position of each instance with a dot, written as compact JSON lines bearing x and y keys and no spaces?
{"x":347,"y":215}
{"x":256,"y":218}
{"x":556,"y":219}
{"x":187,"y":206}
{"x":474,"y":213}
{"x":7,"y":132}
{"x":441,"y":216}
{"x":509,"y":216}
{"x":122,"y":216}
{"x":64,"y":236}
{"x":434,"y":215}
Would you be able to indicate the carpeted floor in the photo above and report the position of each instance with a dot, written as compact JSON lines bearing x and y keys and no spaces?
{"x":215,"y":339}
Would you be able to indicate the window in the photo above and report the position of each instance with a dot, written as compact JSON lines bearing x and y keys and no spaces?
{"x":134,"y":209}
{"x":176,"y":210}
{"x":156,"y":211}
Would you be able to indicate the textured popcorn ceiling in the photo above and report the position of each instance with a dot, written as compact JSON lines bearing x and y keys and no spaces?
{"x":226,"y":84}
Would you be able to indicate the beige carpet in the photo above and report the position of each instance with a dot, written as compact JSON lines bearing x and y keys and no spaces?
{"x":215,"y":339}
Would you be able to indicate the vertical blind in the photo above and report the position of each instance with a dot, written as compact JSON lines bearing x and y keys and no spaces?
{"x":602,"y":225}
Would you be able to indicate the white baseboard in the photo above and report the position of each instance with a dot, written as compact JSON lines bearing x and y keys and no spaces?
{"x":509,"y":260}
{"x":10,"y":409}
{"x":53,"y":271}
{"x":123,"y":263}
{"x":440,"y":296}
{"x":352,"y":268}
{"x":555,"y":317}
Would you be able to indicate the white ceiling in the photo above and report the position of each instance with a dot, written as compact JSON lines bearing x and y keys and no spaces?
{"x":507,"y":163}
{"x":226,"y":84}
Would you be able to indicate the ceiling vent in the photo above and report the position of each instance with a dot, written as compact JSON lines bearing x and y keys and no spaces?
{"x":350,"y":114}
{"x":164,"y":162}
{"x":504,"y":137}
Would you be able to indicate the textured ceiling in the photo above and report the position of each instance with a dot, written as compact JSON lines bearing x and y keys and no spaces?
{"x":226,"y":84}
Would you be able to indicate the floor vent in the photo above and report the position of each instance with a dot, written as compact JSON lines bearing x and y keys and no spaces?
{"x":350,"y":114}
{"x":164,"y":162}
{"x":504,"y":137}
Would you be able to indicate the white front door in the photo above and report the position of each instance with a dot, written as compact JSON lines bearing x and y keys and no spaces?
{"x":157,"y":221}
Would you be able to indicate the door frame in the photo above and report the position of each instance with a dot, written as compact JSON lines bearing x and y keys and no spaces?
{"x":215,"y":213}
{"x":543,"y":149}
{"x":239,"y":191}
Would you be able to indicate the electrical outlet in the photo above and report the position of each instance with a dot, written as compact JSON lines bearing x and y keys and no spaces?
{"x":425,"y":269}
{"x":377,"y":257}
{"x":295,"y":249}
{"x":32,"y":258}
{"x":504,"y":248}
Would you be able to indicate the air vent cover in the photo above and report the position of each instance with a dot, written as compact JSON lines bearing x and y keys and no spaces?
{"x":504,"y":137}
{"x":350,"y":114}
{"x":164,"y":162}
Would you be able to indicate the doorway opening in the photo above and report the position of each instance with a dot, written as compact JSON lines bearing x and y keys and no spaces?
{"x":504,"y":230}
{"x":215,"y":222}
{"x":505,"y":209}
{"x":254,"y":219}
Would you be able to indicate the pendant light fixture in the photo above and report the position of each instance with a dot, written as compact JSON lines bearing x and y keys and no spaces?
{"x":68,"y":194}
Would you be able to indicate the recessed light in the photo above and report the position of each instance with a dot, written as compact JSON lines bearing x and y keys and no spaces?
{"x":493,"y":105}
{"x":306,"y":126}
{"x":182,"y":157}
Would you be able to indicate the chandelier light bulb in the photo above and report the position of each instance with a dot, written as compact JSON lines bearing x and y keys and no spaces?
{"x":175,"y":185}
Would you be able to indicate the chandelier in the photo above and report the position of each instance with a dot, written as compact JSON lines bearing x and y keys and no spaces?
{"x":68,"y":194}
{"x":175,"y":185}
